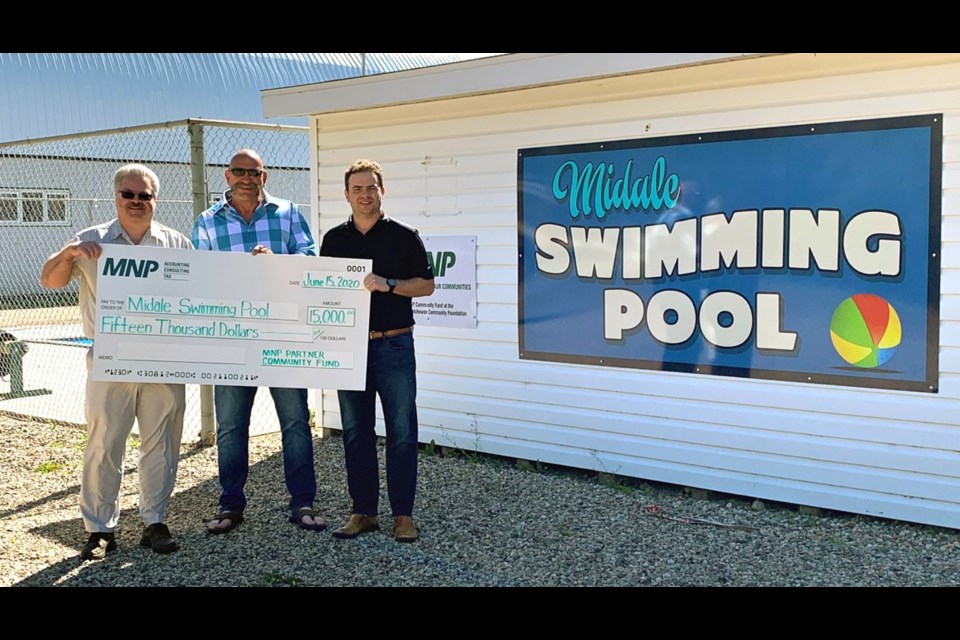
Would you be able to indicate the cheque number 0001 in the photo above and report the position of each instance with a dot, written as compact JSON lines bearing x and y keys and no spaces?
{"x":356,"y":268}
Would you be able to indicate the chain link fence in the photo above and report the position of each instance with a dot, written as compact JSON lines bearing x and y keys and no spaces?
{"x":51,"y":188}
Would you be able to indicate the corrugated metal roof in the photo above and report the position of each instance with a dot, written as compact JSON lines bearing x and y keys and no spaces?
{"x":47,"y":94}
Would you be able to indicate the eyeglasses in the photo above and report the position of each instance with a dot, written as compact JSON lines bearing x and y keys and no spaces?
{"x":239,"y":173}
{"x":130,"y":195}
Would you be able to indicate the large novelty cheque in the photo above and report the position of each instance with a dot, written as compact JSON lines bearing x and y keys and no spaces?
{"x":207,"y":317}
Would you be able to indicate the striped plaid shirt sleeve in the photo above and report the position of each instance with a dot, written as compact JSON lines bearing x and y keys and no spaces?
{"x":199,"y":236}
{"x":300,"y":239}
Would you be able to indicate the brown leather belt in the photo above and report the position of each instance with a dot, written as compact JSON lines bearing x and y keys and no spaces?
{"x":376,"y":335}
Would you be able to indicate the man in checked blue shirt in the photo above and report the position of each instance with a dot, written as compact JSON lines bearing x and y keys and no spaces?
{"x":249,"y":219}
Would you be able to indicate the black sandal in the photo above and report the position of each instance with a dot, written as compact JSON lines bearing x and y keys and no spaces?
{"x":233,"y":517}
{"x":302,"y":512}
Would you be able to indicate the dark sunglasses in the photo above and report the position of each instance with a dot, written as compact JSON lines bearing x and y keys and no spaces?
{"x":129,"y":195}
{"x":253,"y":173}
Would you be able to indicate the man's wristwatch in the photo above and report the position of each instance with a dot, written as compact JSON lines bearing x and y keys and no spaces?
{"x":392,"y":283}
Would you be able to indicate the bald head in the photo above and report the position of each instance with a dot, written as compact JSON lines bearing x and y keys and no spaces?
{"x":248,"y":154}
{"x":246,"y":179}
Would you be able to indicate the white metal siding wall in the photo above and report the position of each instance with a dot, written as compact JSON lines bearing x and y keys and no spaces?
{"x":885,"y":453}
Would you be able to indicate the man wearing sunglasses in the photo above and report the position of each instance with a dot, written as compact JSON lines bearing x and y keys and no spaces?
{"x":250,"y":220}
{"x":111,"y":407}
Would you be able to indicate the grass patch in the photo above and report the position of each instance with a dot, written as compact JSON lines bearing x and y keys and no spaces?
{"x":278,"y":580}
{"x":613,"y":481}
{"x":534,"y":467}
{"x":48,"y":467}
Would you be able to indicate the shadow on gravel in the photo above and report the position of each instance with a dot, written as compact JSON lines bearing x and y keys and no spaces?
{"x":75,"y":490}
{"x":191,"y":506}
{"x":481,"y":524}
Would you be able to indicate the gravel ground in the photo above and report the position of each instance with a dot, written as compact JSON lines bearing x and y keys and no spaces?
{"x":484,"y":521}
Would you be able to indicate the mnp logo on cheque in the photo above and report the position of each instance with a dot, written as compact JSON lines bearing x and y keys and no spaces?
{"x":129,"y":268}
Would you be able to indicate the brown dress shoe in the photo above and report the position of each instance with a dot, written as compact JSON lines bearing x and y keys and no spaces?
{"x":356,"y":525}
{"x":404,"y":530}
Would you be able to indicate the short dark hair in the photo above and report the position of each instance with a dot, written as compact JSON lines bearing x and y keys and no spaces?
{"x":363,"y":166}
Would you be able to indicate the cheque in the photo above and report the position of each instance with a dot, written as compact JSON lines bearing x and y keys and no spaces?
{"x":208,"y":317}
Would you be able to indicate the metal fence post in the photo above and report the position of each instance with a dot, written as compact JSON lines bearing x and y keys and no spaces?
{"x":198,"y":178}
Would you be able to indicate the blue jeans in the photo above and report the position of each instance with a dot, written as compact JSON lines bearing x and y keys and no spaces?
{"x":233,"y":405}
{"x":391,"y":374}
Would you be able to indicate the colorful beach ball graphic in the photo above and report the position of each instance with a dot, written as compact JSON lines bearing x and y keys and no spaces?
{"x":865,"y":330}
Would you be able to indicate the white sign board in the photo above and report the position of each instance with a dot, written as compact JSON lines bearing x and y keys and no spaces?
{"x":454,"y":302}
{"x":208,"y":317}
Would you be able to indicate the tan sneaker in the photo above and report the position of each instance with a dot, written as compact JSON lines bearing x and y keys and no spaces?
{"x":356,"y":525}
{"x":404,"y":530}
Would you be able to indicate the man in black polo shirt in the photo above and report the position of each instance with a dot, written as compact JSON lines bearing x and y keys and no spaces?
{"x":400,"y":272}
